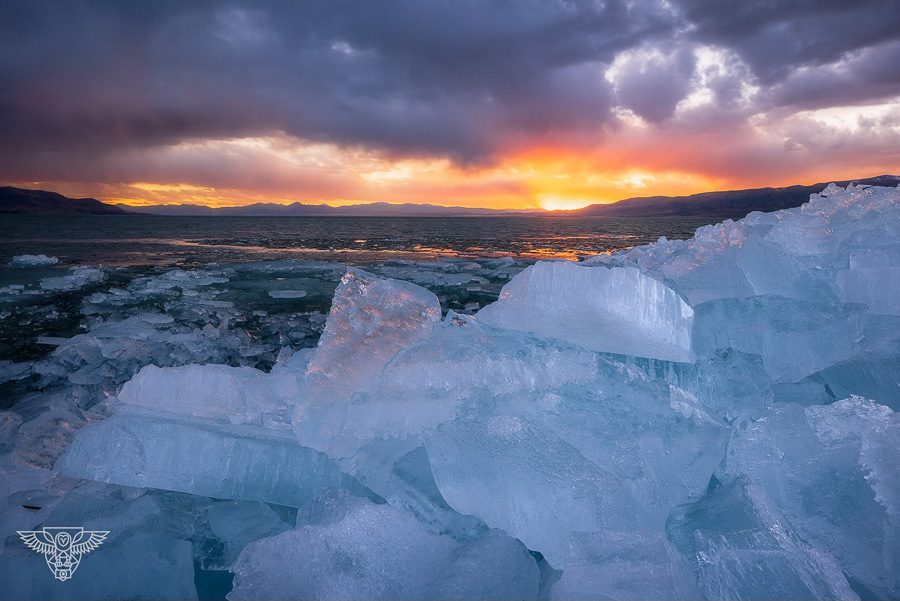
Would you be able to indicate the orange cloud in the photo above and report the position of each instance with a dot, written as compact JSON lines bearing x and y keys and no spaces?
{"x":630,"y":160}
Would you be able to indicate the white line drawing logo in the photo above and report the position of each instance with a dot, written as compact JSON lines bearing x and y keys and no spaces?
{"x":63,"y":546}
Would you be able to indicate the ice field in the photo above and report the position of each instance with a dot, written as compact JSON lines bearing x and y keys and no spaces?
{"x":707,"y":418}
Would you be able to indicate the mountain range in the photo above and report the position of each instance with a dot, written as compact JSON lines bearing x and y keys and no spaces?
{"x":297,"y":209}
{"x":714,"y":205}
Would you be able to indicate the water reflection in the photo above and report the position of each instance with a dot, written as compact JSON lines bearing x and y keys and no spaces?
{"x":155,"y":240}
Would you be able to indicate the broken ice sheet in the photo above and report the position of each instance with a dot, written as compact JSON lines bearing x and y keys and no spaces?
{"x":368,"y":551}
{"x":624,"y":565}
{"x":833,"y":471}
{"x":208,"y":459}
{"x":741,"y":547}
{"x":617,"y":310}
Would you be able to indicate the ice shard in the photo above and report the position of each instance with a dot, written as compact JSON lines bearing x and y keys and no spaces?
{"x":617,"y":310}
{"x":206,"y":459}
{"x":368,"y":551}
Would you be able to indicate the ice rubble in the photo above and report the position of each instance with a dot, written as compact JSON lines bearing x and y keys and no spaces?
{"x":32,"y":261}
{"x":78,"y":277}
{"x":678,"y":420}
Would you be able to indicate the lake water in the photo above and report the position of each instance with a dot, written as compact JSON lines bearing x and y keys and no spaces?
{"x":121,"y":241}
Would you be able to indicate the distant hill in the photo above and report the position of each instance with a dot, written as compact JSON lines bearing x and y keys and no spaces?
{"x":713,"y":205}
{"x":40,"y":202}
{"x":721,"y":205}
{"x":296,"y":209}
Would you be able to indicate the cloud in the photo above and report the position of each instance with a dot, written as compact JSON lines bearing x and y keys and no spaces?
{"x":775,"y":38}
{"x":183,"y":93}
{"x":864,"y":76}
{"x":410,"y":77}
{"x":651,"y":82}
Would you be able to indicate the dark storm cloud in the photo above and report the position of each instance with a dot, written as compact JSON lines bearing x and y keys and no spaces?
{"x":867,"y":74}
{"x":776,"y":36}
{"x":451,"y":78}
{"x":461,"y":78}
{"x":652,"y":87}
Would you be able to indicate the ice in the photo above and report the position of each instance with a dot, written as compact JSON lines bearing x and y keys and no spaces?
{"x":32,"y":261}
{"x":625,"y":565}
{"x":876,"y":378}
{"x":871,"y":278}
{"x":616,"y":310}
{"x":13,"y":371}
{"x":794,"y":338}
{"x":743,"y":548}
{"x":41,"y":440}
{"x":9,"y":424}
{"x":147,"y":550}
{"x":678,"y":420}
{"x":797,"y":253}
{"x":368,"y":551}
{"x":234,"y":524}
{"x":287,"y":293}
{"x":461,"y":362}
{"x":78,"y":277}
{"x":370,"y":321}
{"x":212,"y":460}
{"x":590,"y":468}
{"x":833,"y":471}
{"x":240,"y":395}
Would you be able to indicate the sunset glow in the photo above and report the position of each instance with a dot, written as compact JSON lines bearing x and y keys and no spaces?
{"x":418,"y":114}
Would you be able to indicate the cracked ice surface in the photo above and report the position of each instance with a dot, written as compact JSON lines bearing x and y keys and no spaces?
{"x":711,"y":418}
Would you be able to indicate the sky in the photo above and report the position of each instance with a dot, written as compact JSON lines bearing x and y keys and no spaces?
{"x":506,"y":104}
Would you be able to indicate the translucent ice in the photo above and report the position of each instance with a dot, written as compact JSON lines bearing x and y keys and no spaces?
{"x":743,"y":548}
{"x":837,"y":245}
{"x":833,"y":472}
{"x":233,"y":524}
{"x":795,"y":338}
{"x":212,"y":460}
{"x":287,"y":293}
{"x":371,"y":320}
{"x":147,"y":553}
{"x":580,"y":462}
{"x":617,"y":310}
{"x":872,"y":277}
{"x":624,"y":565}
{"x":235,"y":394}
{"x":370,"y":551}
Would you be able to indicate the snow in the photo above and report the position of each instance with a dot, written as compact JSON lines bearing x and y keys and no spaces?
{"x":32,"y":261}
{"x":709,"y":418}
